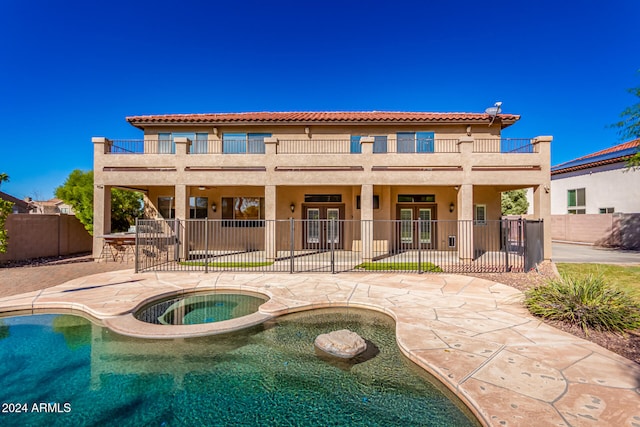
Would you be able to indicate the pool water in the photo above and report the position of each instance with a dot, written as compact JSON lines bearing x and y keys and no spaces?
{"x":269,"y":375}
{"x":200,"y":308}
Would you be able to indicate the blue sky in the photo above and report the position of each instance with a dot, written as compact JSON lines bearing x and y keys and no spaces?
{"x":71,"y":70}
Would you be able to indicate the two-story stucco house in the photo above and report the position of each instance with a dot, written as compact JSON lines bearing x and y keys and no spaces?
{"x":348,"y":166}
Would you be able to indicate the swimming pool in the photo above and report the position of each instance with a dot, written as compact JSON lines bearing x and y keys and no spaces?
{"x":266,"y":375}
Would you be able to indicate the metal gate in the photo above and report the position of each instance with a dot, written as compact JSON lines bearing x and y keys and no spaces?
{"x":533,"y":246}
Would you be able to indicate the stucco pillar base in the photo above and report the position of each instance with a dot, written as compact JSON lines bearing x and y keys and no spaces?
{"x":182,"y":213}
{"x":366,"y":221}
{"x":101,"y":218}
{"x":270,"y":223}
{"x":465,"y":222}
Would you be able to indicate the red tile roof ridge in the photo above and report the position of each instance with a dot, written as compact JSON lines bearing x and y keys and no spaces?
{"x":320,"y":116}
{"x":619,"y":147}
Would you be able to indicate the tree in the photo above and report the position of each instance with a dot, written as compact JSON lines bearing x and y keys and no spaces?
{"x":629,"y":126}
{"x":6,"y":207}
{"x":514,"y":202}
{"x":77,"y":191}
{"x":4,"y":178}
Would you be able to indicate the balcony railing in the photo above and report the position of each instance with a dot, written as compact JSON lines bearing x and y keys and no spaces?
{"x":504,"y":145}
{"x":380,"y":146}
{"x":314,"y":146}
{"x":324,"y":146}
{"x":140,"y":146}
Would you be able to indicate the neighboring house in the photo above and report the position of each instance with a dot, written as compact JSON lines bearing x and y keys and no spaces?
{"x":51,"y":206}
{"x":19,"y":206}
{"x":598,"y":183}
{"x":246,"y":167}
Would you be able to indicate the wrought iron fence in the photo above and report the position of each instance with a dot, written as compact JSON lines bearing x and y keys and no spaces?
{"x":420,"y":246}
{"x":504,"y":145}
{"x":380,"y":146}
{"x":321,"y":146}
{"x":140,"y":146}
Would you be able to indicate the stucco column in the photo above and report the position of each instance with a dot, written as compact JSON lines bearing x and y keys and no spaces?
{"x":542,"y":210}
{"x":542,"y":193}
{"x":270,"y":146}
{"x":183,"y":145}
{"x":182,"y":213}
{"x":465,"y":221}
{"x":366,"y":221}
{"x":101,"y":217}
{"x":270,"y":222}
{"x":366,"y":144}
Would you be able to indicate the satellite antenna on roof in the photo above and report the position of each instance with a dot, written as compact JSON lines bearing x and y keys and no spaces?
{"x":494,"y":111}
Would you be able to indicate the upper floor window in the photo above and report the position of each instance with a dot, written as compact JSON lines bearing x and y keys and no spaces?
{"x":355,"y":144}
{"x":166,"y":144}
{"x":606,"y":210}
{"x":199,"y":142}
{"x":252,"y":143}
{"x":576,"y":201}
{"x":415,"y":142}
{"x":379,"y":144}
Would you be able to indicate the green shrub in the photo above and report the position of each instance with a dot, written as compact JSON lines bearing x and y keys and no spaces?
{"x":585,"y":301}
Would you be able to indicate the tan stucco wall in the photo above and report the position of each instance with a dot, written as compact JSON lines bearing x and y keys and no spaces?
{"x":33,"y":236}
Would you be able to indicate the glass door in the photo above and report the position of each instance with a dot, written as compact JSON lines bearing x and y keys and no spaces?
{"x":333,"y":225}
{"x":425,"y":225}
{"x":313,"y":225}
{"x":406,"y":225}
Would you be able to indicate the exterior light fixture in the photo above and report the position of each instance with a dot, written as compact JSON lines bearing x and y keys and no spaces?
{"x":292,"y":207}
{"x":451,"y":207}
{"x":213,"y":207}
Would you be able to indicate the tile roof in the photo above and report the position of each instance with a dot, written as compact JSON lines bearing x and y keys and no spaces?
{"x":615,"y":154}
{"x":23,"y":205}
{"x":364,"y":117}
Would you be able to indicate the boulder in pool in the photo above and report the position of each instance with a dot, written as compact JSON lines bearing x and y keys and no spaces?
{"x":343,"y":343}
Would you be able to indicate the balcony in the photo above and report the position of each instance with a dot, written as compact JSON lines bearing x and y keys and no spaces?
{"x":322,"y":146}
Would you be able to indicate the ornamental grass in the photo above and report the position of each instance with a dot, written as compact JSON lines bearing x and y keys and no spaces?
{"x":587,"y":301}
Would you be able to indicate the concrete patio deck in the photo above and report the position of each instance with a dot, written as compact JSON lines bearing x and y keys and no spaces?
{"x":473,"y":335}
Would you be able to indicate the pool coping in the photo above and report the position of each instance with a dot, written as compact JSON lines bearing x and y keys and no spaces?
{"x":473,"y":335}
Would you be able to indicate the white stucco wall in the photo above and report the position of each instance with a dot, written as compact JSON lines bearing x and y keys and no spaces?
{"x":610,"y":186}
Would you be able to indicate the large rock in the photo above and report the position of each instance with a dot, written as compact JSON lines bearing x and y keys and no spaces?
{"x":343,"y":343}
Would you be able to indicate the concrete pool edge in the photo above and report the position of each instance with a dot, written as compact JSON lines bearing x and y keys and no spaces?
{"x":470,"y":334}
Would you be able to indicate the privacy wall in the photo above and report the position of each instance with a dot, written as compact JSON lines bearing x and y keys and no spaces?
{"x":34,"y":236}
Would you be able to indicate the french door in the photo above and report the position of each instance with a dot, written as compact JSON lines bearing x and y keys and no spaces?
{"x":415,"y":227}
{"x":322,"y":227}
